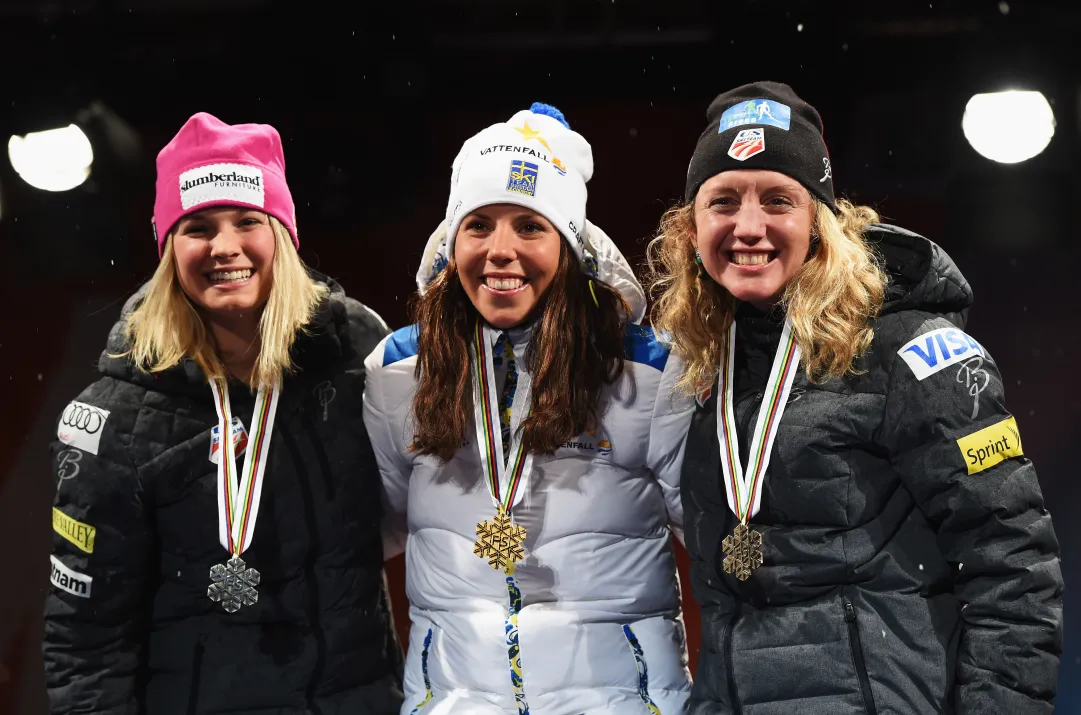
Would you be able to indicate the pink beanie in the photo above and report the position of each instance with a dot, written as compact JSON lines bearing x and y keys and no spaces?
{"x":211,"y":163}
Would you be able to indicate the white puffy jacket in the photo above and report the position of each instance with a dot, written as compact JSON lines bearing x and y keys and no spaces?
{"x":600,"y":629}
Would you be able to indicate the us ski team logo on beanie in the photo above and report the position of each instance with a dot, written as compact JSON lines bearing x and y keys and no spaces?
{"x":747,"y":143}
{"x":763,"y":126}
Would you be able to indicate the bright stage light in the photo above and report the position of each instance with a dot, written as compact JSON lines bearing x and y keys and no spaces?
{"x":52,"y":160}
{"x":1009,"y":127}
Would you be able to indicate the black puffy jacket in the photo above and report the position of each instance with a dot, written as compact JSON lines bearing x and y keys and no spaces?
{"x":129,"y":627}
{"x":910,"y":565}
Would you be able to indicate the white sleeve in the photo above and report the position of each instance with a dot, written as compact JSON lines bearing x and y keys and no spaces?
{"x":388,"y":441}
{"x":668,"y":428}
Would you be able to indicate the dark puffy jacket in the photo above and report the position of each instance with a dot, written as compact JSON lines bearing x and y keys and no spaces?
{"x":910,"y":565}
{"x":129,"y":627}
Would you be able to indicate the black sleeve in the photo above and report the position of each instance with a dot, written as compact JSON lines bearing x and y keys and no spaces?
{"x":960,"y":453}
{"x":366,"y":327}
{"x":95,"y":609}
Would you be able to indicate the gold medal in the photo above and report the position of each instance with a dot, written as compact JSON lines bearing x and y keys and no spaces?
{"x":743,"y":551}
{"x":500,"y":542}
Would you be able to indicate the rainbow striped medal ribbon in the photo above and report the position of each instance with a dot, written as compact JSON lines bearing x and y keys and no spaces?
{"x":499,"y":539}
{"x":743,"y":548}
{"x":233,"y":584}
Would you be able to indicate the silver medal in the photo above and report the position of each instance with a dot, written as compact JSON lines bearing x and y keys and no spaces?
{"x":233,"y":585}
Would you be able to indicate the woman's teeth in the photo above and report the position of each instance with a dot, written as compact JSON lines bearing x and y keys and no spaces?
{"x":750,"y":259}
{"x":228,"y":276}
{"x":504,"y":283}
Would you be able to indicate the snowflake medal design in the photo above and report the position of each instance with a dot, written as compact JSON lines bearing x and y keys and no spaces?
{"x":233,"y":585}
{"x":499,"y":541}
{"x":743,"y":552}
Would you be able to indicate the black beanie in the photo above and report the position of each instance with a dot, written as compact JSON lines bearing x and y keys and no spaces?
{"x":764,"y":126}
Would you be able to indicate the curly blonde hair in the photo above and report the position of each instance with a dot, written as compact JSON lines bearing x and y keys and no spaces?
{"x":831,"y":300}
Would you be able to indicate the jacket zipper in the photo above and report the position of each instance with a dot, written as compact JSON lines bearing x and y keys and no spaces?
{"x":320,"y":454}
{"x":857,"y":657}
{"x":309,"y":571}
{"x":733,"y":696}
{"x":196,"y":674}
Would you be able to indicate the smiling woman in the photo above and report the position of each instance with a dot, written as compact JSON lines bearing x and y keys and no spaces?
{"x":229,"y":293}
{"x":205,"y":422}
{"x":223,"y":257}
{"x":753,"y":232}
{"x":528,"y":440}
{"x":507,"y":257}
{"x":839,"y":536}
{"x":223,"y":261}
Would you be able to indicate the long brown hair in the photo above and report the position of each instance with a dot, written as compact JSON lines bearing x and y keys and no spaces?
{"x":832,"y":300}
{"x":576,"y":348}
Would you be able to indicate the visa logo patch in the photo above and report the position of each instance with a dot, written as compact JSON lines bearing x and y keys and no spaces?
{"x":65,"y":579}
{"x":991,"y":445}
{"x":937,"y":350}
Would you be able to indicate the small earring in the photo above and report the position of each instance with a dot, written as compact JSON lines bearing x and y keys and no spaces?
{"x":698,"y":260}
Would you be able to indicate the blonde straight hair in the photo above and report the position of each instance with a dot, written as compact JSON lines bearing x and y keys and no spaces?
{"x":832,"y":300}
{"x":167,"y":327}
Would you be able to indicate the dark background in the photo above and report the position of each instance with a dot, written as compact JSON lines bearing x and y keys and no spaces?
{"x":373,"y":101}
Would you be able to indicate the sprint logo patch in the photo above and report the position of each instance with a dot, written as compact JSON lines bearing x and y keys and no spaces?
{"x":991,"y":445}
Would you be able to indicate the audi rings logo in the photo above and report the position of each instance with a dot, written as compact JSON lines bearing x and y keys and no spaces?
{"x":81,"y":426}
{"x":83,"y":417}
